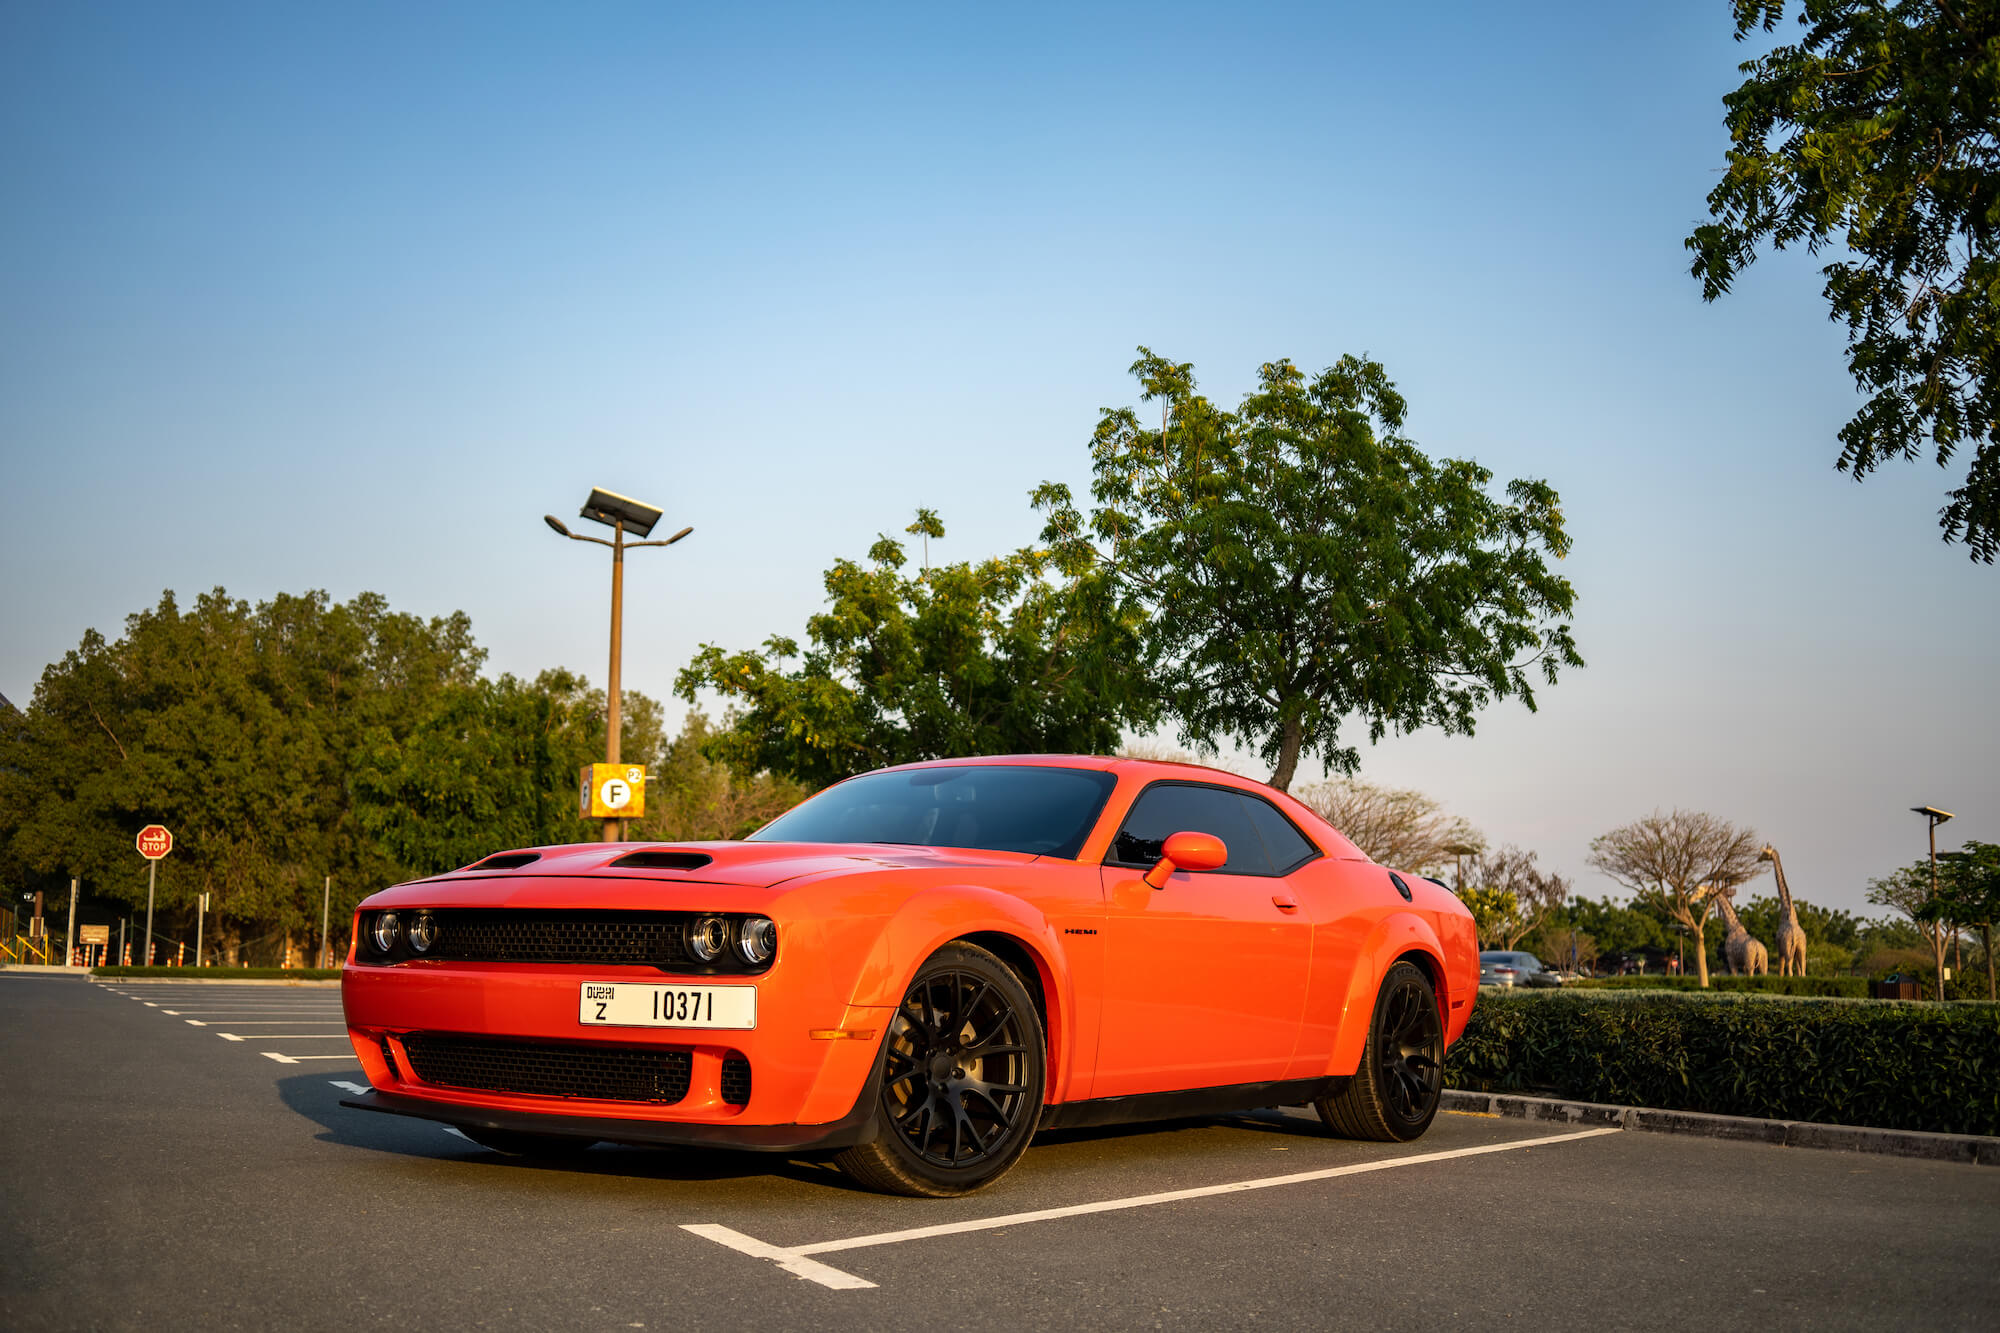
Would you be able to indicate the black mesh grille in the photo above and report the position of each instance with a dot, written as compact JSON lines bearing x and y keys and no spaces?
{"x":735,"y":1080}
{"x":535,"y":1069}
{"x":477,"y":935}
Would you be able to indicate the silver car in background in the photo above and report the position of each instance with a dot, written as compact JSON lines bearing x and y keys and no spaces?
{"x":1508,"y":967}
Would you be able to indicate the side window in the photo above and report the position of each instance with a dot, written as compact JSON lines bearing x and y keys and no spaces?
{"x":1288,"y":847}
{"x":1165,"y":809}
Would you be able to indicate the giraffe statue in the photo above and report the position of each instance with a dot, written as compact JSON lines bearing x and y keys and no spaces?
{"x":1741,"y":954}
{"x":1791,"y":935}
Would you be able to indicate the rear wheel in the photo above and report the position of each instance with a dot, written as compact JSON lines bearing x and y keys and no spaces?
{"x":1393,"y":1096}
{"x":963,"y":1069}
{"x":515,"y":1143}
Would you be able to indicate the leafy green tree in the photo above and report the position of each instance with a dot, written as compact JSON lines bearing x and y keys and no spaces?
{"x":1875,"y":135}
{"x":1614,"y":927}
{"x":1515,"y":894}
{"x":1300,"y":562}
{"x":1969,"y":894}
{"x":691,"y":798}
{"x":1492,"y":911}
{"x":965,"y":659}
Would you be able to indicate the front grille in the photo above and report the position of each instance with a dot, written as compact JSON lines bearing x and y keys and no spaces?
{"x":735,"y":1080}
{"x":480,"y":935}
{"x":548,"y":1069}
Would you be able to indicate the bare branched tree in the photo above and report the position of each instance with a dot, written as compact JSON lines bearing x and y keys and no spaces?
{"x":1395,"y":827}
{"x":1677,"y":863}
{"x":1536,"y":892}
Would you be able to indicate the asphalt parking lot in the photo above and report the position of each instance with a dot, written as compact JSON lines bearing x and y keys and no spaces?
{"x":175,"y":1155}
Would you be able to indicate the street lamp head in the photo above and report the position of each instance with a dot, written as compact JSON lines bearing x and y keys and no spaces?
{"x":556,"y":523}
{"x":1931,"y":813}
{"x":611,"y":509}
{"x":678,"y":535}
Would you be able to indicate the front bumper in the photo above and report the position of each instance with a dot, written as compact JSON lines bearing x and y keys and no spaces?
{"x":804,"y":1090}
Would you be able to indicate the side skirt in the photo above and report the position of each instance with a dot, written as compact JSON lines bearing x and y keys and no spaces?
{"x":1191,"y":1102}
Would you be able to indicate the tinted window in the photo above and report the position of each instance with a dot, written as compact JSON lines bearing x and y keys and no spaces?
{"x":1288,"y":847}
{"x":1165,"y":809}
{"x":1044,"y":811}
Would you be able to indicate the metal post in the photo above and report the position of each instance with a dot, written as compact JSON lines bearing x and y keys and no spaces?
{"x":124,"y":944}
{"x":152,"y":878}
{"x":325,"y":901}
{"x":69,"y":946}
{"x":200,"y":914}
{"x":612,"y":719}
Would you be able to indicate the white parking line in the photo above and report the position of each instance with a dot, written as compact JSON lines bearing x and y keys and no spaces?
{"x":295,"y":1059}
{"x":276,"y":1022}
{"x":287,"y":1036}
{"x":356,"y":1088}
{"x":796,"y":1261}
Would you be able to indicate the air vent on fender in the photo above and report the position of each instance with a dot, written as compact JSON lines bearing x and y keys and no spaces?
{"x":661,"y":860}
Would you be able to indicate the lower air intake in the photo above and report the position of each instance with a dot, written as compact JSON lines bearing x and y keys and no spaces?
{"x":735,"y":1080}
{"x":656,"y":1074}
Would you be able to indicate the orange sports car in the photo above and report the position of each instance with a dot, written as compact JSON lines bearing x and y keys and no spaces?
{"x":917,"y":969}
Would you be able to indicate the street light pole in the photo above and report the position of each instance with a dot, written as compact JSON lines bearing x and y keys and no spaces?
{"x":1934,"y":816}
{"x":617,"y":512}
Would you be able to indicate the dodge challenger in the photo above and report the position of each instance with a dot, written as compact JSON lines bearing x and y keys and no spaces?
{"x":916,"y":970}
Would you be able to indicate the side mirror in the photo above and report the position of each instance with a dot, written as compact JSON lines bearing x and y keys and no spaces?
{"x":1187,"y":851}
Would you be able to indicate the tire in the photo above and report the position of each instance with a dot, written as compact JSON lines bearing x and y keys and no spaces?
{"x":963,"y":1068}
{"x":1394,"y":1095}
{"x":515,"y":1143}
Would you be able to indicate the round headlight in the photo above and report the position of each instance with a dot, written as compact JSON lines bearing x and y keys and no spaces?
{"x":756,"y":939}
{"x":707,"y":938}
{"x":423,"y":932}
{"x":388,"y":928}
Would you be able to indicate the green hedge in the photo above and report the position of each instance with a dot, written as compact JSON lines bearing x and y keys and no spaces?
{"x":223,"y":973}
{"x":1893,"y":1065}
{"x":1850,"y":987}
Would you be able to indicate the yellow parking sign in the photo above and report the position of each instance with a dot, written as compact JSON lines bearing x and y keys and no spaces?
{"x":612,"y":791}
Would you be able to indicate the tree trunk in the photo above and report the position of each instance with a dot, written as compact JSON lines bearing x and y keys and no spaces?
{"x":1290,"y":737}
{"x":1701,"y":954}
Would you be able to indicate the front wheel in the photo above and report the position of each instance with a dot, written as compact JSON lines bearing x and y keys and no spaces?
{"x":962,"y":1073}
{"x":1393,"y":1096}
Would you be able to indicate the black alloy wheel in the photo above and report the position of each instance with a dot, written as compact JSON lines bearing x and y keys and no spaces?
{"x":962,"y":1072}
{"x":1394,"y":1095}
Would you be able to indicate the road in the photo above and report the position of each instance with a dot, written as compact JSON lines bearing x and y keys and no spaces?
{"x":175,"y":1156}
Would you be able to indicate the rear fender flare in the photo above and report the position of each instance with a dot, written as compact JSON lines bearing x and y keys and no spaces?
{"x":935,"y":917}
{"x":1396,"y":935}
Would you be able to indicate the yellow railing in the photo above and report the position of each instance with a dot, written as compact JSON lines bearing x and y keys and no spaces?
{"x":21,"y":949}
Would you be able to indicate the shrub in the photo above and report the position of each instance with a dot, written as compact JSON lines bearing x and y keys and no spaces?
{"x":1891,"y":1065}
{"x":1850,"y":987}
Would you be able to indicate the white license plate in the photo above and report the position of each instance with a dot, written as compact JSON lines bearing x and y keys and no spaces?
{"x":626,"y":1005}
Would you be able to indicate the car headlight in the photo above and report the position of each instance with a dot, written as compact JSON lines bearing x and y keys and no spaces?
{"x":423,"y":932}
{"x":707,"y":938}
{"x":388,"y":929}
{"x":756,"y":939}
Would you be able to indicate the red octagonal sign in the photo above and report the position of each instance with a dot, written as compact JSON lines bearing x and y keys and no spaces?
{"x":155,"y":842}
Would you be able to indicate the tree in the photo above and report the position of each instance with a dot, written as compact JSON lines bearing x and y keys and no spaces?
{"x":1393,"y":826}
{"x":1516,"y":893}
{"x":1676,"y":864}
{"x":1491,"y":909}
{"x":691,"y":798}
{"x":1909,"y":891}
{"x":1878,"y":133}
{"x":1969,"y":878}
{"x":1300,"y":562}
{"x":967,"y":659}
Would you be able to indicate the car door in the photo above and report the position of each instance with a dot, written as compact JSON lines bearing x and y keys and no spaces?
{"x":1205,"y":979}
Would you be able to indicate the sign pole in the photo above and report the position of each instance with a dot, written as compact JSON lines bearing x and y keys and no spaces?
{"x":200,"y":914}
{"x":152,"y":876}
{"x":326,"y":900}
{"x":124,"y":944}
{"x":613,"y":721}
{"x":69,"y":949}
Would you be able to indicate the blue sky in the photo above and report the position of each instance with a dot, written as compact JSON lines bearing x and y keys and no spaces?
{"x":347,"y":297}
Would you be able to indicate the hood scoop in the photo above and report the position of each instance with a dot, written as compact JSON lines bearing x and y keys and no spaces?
{"x":506,"y":861}
{"x":660,"y":860}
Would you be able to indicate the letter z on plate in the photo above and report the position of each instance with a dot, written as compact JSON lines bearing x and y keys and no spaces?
{"x":637,"y":1005}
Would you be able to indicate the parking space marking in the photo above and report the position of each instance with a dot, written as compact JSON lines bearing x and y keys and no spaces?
{"x":355,"y":1089}
{"x":287,"y":1036}
{"x":295,"y":1013}
{"x":796,"y":1261}
{"x":284,"y":1059}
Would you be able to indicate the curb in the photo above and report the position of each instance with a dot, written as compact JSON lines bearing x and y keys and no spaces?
{"x":43,"y":970}
{"x":1969,"y":1149}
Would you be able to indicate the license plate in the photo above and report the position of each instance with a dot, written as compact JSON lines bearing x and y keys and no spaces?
{"x":628,"y":1005}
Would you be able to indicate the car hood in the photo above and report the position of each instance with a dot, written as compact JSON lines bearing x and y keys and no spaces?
{"x":748,"y":864}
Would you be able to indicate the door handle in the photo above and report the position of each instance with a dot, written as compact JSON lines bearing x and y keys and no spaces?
{"x":1284,"y":902}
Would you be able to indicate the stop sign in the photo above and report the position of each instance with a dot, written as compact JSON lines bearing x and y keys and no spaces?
{"x":155,"y":842}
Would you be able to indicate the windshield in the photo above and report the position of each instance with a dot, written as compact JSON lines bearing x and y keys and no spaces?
{"x":995,"y":808}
